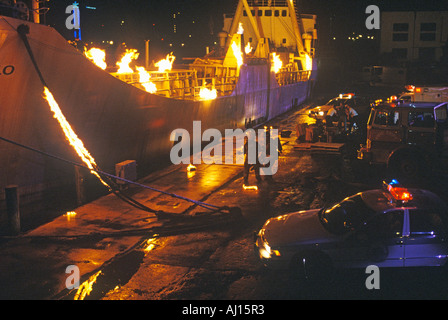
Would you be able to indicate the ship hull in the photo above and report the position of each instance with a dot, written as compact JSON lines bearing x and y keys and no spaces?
{"x":116,"y":121}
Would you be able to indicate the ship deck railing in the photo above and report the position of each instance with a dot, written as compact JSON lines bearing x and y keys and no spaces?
{"x":290,"y":77}
{"x":186,"y":84}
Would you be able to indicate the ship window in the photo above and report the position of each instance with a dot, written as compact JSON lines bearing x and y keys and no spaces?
{"x":268,"y":13}
{"x":277,"y":13}
{"x":260,"y":13}
{"x":283,"y":13}
{"x":284,"y":40}
{"x":244,"y":13}
{"x":253,"y":12}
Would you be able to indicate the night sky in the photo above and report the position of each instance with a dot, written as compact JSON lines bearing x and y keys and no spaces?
{"x":199,"y":21}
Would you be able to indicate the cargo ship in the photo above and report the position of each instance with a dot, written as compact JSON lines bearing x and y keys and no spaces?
{"x":264,"y":65}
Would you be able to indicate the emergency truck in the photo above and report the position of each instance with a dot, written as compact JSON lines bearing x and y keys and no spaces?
{"x":406,"y":136}
{"x":429,"y":94}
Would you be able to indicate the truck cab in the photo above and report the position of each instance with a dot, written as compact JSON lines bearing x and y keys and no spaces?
{"x":406,"y":136}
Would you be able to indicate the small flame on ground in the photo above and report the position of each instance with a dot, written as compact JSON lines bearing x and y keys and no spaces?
{"x":237,"y":53}
{"x":208,"y":94}
{"x":97,"y":56}
{"x":71,"y":136}
{"x":145,"y":80}
{"x":70,"y":215}
{"x":166,"y":64}
{"x":126,"y":59}
{"x":86,"y":287}
{"x":276,"y":63}
{"x":191,"y":168}
{"x":250,"y":187}
{"x":150,"y":245}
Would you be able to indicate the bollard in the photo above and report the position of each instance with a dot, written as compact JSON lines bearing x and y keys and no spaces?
{"x":12,"y":208}
{"x":80,"y":190}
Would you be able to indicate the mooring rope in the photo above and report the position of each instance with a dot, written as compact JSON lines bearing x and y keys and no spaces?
{"x":23,"y":30}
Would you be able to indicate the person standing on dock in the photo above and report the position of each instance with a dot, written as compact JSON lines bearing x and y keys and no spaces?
{"x":251,"y":138}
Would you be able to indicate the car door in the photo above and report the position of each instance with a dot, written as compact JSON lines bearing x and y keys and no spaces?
{"x":384,"y":133}
{"x":426,"y":243}
{"x":386,"y":240}
{"x":421,"y":127}
{"x":379,"y":242}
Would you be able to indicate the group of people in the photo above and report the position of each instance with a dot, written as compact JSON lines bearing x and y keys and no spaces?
{"x":343,"y":114}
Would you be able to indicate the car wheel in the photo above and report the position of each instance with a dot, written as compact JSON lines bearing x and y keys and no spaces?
{"x":312,"y":267}
{"x":409,"y":167}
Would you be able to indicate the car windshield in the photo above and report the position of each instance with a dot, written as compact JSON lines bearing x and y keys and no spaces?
{"x":346,"y":215}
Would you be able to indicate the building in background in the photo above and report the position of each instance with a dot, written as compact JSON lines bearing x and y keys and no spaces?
{"x":414,"y":35}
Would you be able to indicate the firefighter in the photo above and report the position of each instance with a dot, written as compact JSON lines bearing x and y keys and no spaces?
{"x":279,"y":150}
{"x":250,"y":136}
{"x":351,"y":116}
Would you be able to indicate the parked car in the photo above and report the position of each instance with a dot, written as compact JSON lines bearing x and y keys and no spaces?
{"x":389,"y":227}
{"x":320,"y":112}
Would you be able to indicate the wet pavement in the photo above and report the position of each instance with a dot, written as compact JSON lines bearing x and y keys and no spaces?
{"x":191,"y":252}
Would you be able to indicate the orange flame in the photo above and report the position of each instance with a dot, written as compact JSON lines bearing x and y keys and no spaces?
{"x":276,"y":63}
{"x":208,"y":94}
{"x":248,"y":48}
{"x":71,"y":136}
{"x":145,"y":80}
{"x":126,"y":59}
{"x":166,"y":64}
{"x":191,"y":168}
{"x":308,"y":62}
{"x":237,"y":53}
{"x":97,"y":56}
{"x":250,"y":187}
{"x":86,"y":287}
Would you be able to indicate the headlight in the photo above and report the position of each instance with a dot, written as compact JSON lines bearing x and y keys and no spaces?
{"x":265,"y":251}
{"x":321,"y":113}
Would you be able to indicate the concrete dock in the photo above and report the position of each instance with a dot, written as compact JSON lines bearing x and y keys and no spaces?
{"x":33,"y":265}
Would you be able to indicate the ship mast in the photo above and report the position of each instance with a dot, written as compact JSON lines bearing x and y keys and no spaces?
{"x":249,"y":9}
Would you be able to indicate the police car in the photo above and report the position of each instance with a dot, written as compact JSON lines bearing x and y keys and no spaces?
{"x":320,"y":112}
{"x":389,"y":227}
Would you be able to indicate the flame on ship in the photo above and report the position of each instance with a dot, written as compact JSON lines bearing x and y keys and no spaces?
{"x":208,"y":94}
{"x":145,"y":80}
{"x":276,"y":63}
{"x":308,"y":62}
{"x":166,"y":64}
{"x":237,"y":53}
{"x":97,"y":56}
{"x":126,"y":59}
{"x":71,"y":136}
{"x":248,"y":48}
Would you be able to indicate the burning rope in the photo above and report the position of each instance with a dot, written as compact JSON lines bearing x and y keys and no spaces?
{"x":77,"y":144}
{"x":71,"y":136}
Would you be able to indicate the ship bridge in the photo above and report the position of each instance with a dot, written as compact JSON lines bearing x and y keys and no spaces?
{"x":280,"y":21}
